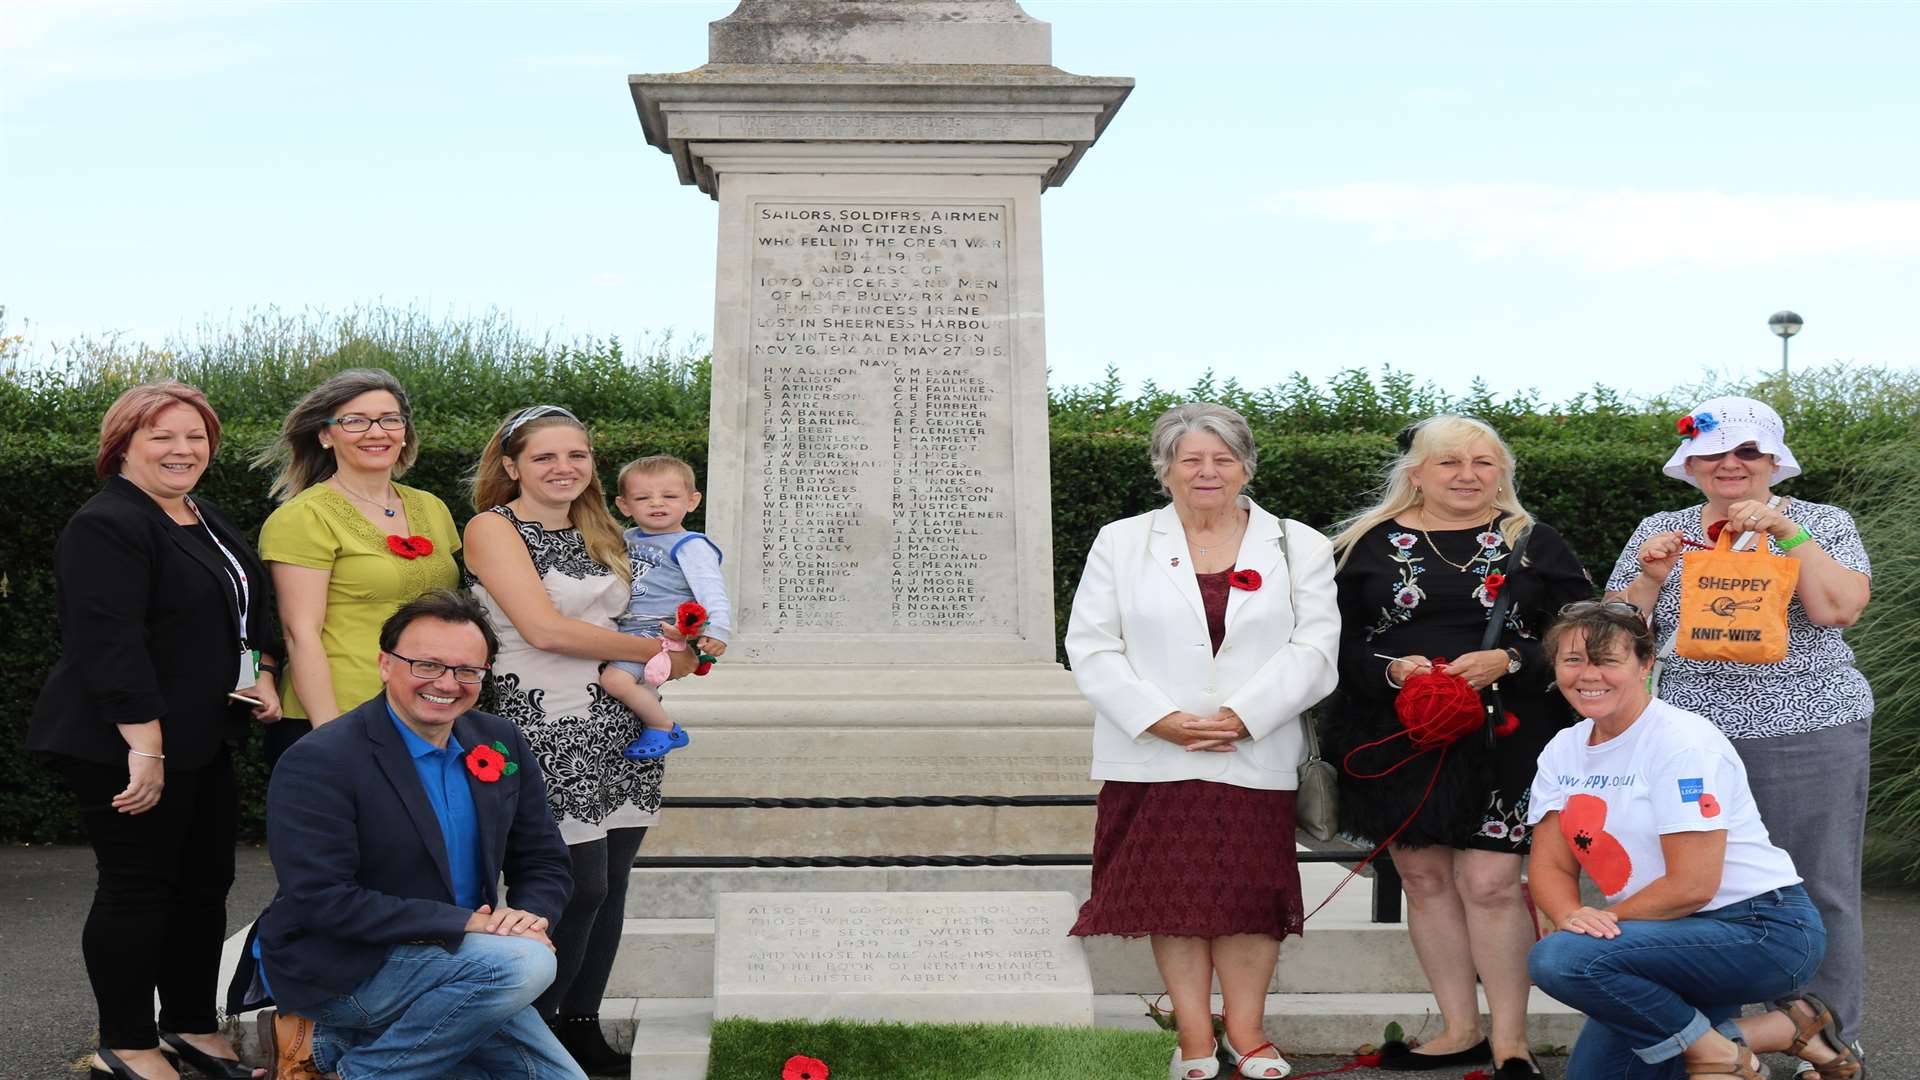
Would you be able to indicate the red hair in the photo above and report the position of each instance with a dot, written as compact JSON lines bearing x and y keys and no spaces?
{"x":136,"y":409}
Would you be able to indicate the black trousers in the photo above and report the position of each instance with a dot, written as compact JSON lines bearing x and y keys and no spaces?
{"x":588,"y":933}
{"x":160,"y":909}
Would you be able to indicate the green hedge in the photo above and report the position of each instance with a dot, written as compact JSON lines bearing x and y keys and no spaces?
{"x":1594,"y":493}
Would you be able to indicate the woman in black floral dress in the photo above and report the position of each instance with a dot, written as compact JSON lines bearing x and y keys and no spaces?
{"x":548,"y":561}
{"x":1417,"y":579}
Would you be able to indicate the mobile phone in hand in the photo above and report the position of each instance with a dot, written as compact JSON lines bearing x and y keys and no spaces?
{"x":246,"y":699}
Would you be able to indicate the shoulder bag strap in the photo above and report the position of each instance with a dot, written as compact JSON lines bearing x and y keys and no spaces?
{"x":1309,"y":730}
{"x":1496,"y":618}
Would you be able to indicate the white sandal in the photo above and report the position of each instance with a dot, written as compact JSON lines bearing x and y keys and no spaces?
{"x":1257,"y":1068}
{"x":1200,"y":1068}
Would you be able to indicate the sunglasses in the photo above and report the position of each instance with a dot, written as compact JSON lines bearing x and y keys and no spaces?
{"x":1613,"y":607}
{"x":1744,"y":453}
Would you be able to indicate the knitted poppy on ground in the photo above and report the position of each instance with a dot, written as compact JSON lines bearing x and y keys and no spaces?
{"x":799,"y":1067}
{"x":410,"y":547}
{"x":1245,"y":579}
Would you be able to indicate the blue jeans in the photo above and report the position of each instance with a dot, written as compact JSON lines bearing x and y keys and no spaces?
{"x":430,"y":1014}
{"x":1658,"y":987}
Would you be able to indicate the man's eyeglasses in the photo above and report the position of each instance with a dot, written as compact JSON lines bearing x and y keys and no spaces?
{"x":357,"y":424}
{"x":1744,"y":453}
{"x":1588,"y":607}
{"x":427,"y":670}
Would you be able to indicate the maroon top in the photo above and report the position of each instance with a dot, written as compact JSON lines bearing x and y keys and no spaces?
{"x":1213,"y":597}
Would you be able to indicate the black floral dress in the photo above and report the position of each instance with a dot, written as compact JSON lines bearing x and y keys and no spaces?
{"x":576,"y":729}
{"x":1398,"y":597}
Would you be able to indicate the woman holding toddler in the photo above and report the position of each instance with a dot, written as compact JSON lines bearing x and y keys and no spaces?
{"x":547,"y":559}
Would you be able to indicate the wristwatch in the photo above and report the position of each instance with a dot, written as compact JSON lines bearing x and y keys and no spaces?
{"x":1513,"y":660}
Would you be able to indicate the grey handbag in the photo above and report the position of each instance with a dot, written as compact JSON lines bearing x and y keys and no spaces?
{"x":1316,"y":807}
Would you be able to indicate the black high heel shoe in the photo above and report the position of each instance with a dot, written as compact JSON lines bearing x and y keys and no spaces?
{"x":115,"y":1070}
{"x":205,"y":1064}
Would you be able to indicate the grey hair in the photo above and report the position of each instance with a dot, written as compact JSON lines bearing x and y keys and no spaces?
{"x":1200,"y":417}
{"x":297,"y":455}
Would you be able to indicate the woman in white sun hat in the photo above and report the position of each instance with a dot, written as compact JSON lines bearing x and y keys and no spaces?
{"x":1801,"y":726}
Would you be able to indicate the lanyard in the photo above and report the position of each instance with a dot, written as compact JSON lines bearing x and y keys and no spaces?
{"x":242,"y":590}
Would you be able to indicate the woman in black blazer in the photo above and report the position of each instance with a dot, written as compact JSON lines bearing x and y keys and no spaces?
{"x":163,"y":605}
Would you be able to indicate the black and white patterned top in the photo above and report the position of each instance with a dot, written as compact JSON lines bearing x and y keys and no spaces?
{"x":1815,"y":687}
{"x":576,"y":730}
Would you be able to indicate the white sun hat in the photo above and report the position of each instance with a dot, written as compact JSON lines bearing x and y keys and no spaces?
{"x":1723,"y":423}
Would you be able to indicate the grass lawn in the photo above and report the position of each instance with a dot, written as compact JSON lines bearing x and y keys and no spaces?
{"x":756,"y":1050}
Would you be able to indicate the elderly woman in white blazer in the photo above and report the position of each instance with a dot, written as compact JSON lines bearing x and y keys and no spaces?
{"x":1200,"y":632}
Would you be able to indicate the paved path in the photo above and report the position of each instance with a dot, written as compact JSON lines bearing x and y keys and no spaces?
{"x":49,"y":1029}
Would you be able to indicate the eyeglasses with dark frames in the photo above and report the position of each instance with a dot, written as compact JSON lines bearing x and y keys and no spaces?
{"x":428,"y":670}
{"x":357,"y":424}
{"x":1744,"y":453}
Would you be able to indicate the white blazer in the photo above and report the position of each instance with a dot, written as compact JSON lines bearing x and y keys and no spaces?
{"x":1138,"y":643}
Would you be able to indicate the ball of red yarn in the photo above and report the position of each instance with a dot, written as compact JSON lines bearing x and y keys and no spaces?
{"x":1437,"y":707}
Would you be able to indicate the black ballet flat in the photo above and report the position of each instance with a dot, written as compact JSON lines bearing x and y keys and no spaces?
{"x":1396,"y":1056}
{"x":587,"y":1045}
{"x":205,"y":1064}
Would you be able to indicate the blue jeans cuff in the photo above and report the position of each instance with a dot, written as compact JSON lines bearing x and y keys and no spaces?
{"x":1730,"y":1027}
{"x":1673,"y":1045}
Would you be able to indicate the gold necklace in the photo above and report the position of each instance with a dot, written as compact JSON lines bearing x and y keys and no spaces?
{"x":1435,"y":548}
{"x":385,"y":504}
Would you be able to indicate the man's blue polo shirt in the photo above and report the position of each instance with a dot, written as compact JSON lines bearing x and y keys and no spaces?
{"x":444,"y":776}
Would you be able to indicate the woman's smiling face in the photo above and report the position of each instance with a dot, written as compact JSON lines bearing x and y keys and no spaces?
{"x":1205,"y":474}
{"x":1611,"y":686}
{"x":167,"y":456}
{"x":375,"y":449}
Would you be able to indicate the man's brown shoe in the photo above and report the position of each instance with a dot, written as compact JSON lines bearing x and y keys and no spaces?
{"x":289,"y":1043}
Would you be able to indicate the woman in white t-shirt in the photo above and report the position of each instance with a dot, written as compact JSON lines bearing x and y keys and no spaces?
{"x":1703,"y":912}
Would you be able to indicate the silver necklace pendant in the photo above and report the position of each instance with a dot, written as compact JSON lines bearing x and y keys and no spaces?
{"x":387,"y":510}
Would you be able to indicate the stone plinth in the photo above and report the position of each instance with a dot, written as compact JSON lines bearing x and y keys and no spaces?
{"x":928,"y":957}
{"x":878,"y":454}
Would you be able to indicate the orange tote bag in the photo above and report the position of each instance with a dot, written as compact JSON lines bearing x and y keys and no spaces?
{"x":1733,"y":604}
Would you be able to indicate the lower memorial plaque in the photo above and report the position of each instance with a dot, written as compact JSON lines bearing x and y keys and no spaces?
{"x":928,"y":957}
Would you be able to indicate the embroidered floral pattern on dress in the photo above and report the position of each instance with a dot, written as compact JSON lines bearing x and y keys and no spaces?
{"x":1502,"y":822}
{"x":417,"y":574}
{"x":1407,"y":592}
{"x":559,"y":550}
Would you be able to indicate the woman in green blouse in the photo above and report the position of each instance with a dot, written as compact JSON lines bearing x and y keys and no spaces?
{"x":348,"y":545}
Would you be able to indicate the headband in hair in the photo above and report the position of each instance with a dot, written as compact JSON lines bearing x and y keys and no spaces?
{"x":534,"y":412}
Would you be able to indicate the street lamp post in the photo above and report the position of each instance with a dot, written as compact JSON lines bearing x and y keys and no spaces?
{"x":1786,"y":324}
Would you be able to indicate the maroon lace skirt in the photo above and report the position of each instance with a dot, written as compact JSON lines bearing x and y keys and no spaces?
{"x":1193,"y":858}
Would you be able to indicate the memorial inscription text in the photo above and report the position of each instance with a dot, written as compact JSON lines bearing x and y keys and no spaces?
{"x":880,"y":439}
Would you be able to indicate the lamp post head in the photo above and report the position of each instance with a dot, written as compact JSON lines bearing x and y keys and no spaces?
{"x":1785,"y":323}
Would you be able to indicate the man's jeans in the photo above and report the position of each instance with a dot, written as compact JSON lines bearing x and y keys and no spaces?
{"x":1657,"y":988}
{"x":430,"y":1014}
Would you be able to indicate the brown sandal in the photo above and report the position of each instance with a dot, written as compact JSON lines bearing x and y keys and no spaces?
{"x":1821,"y":1024}
{"x":1739,"y":1070}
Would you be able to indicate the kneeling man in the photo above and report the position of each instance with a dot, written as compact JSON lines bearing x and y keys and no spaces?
{"x":389,"y":828}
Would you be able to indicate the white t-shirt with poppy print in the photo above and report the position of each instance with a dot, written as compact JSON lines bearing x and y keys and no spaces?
{"x":1672,"y":771}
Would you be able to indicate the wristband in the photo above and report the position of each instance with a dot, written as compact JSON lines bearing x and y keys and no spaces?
{"x":143,"y":753}
{"x":1795,"y":540}
{"x":266,"y":668}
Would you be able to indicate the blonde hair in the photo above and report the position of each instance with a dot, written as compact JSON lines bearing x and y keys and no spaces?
{"x":1420,"y":444}
{"x":297,"y":456}
{"x":653,"y":466}
{"x":493,"y":487}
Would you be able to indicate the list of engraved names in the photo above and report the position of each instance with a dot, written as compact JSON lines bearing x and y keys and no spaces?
{"x":878,"y":426}
{"x":901,"y":944}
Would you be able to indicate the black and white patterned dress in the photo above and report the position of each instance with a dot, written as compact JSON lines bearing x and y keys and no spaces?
{"x":576,"y":730}
{"x":1815,"y":687}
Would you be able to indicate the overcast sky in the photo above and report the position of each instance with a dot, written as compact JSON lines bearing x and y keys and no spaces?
{"x":1544,"y":195}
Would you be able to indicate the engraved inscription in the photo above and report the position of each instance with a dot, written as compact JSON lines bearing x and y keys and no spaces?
{"x":875,"y":126}
{"x":869,"y":942}
{"x":878,"y":428}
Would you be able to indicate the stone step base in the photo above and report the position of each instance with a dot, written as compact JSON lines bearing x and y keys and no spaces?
{"x":671,"y":893}
{"x":673,"y":958}
{"x":676,"y":1030}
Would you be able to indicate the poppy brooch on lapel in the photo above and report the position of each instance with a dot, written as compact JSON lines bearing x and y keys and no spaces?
{"x":410,"y":547}
{"x":490,"y":763}
{"x":1245,"y":579}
